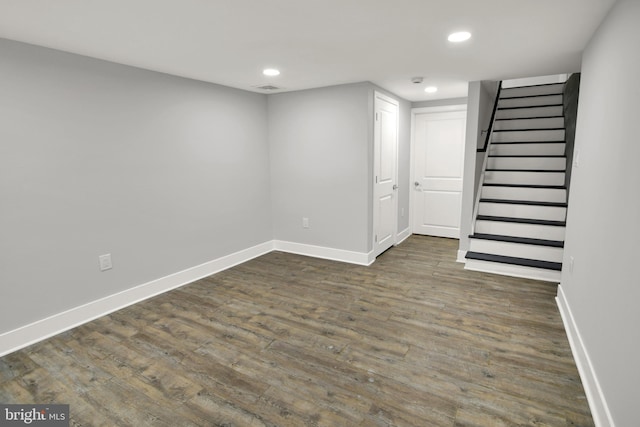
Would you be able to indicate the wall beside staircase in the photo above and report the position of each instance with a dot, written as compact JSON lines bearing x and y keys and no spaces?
{"x":488,"y":94}
{"x":480,"y":101}
{"x":570,"y":108}
{"x":600,"y":295}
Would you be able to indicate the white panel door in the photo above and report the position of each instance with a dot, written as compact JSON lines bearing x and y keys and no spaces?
{"x":385,"y":203}
{"x":438,"y":164}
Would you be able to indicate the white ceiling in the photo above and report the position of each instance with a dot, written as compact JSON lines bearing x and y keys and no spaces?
{"x":318,"y":42}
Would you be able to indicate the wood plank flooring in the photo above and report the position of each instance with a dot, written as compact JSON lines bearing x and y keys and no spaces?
{"x":286,"y":340}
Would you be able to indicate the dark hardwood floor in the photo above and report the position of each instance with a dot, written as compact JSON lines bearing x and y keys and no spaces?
{"x":286,"y":340}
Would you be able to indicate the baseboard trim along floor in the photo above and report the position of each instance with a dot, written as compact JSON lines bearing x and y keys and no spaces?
{"x":45,"y":328}
{"x":42,"y":329}
{"x":351,"y":257}
{"x":595,"y":397}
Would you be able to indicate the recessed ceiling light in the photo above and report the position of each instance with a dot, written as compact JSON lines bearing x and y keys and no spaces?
{"x":270,"y":72}
{"x":431,"y":89}
{"x":459,"y":36}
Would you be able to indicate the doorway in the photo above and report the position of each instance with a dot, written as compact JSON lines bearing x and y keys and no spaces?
{"x":437,"y":166}
{"x":385,"y":169}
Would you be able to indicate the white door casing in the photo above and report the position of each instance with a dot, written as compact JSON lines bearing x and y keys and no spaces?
{"x":437,"y":160}
{"x":385,"y":200}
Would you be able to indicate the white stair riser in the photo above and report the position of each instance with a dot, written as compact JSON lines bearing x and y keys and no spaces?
{"x":545,"y":149}
{"x":524,"y":178}
{"x":531,"y":90}
{"x":513,"y":270}
{"x":518,"y":250}
{"x":530,"y":112}
{"x":528,"y":135}
{"x":538,"y":163}
{"x":544,"y":123}
{"x":530,"y":102}
{"x":549,"y":213}
{"x":520,"y":193}
{"x":533,"y":231}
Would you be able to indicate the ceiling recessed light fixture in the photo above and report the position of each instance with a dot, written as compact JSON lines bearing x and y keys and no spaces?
{"x":459,"y":36}
{"x":271,"y":72}
{"x":431,"y":89}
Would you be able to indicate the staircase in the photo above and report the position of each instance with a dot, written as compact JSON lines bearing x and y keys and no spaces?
{"x":519,"y":226}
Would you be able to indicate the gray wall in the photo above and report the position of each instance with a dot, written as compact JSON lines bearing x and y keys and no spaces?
{"x":162,"y":172}
{"x":487,"y":99}
{"x":603,"y":228}
{"x":488,"y":93}
{"x":321,"y":143}
{"x":570,"y":108}
{"x":404,"y":164}
{"x":321,"y":149}
{"x":439,"y":102}
{"x":480,"y":101}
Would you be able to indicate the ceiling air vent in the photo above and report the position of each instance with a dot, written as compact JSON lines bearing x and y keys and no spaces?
{"x":268,"y":87}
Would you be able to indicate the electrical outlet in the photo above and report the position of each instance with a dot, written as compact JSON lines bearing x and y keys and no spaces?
{"x":571,"y":262}
{"x":576,"y":159}
{"x":305,"y":222}
{"x":105,"y":262}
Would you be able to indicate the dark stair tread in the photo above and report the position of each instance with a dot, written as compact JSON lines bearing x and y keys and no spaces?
{"x":529,"y":118}
{"x":530,"y":156}
{"x":525,"y":170}
{"x":536,"y":85}
{"x":525,"y":202}
{"x":521,"y":220}
{"x":525,"y":262}
{"x":526,"y":129}
{"x":524,"y":240}
{"x":537,"y":95}
{"x":530,"y":106}
{"x":550,"y":187}
{"x":528,"y":142}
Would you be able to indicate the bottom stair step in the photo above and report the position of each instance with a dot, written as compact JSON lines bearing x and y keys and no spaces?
{"x":513,"y":270}
{"x":525,"y":262}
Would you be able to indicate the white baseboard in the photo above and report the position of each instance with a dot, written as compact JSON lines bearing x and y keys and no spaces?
{"x":403,"y":235}
{"x":597,"y":402}
{"x":371,"y":258}
{"x":360,"y":258}
{"x":45,"y":328}
{"x":461,"y":256}
{"x":53,"y":325}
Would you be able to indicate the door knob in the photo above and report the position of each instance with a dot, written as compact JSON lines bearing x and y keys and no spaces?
{"x":416,"y":184}
{"x":395,"y":187}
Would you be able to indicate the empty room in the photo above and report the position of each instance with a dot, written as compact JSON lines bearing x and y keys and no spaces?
{"x":337,"y":213}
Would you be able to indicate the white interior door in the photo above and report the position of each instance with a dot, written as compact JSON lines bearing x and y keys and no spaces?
{"x":385,"y":203}
{"x":438,"y":164}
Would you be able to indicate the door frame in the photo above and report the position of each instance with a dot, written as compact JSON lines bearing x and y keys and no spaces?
{"x":414,"y":113}
{"x":377,"y":94}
